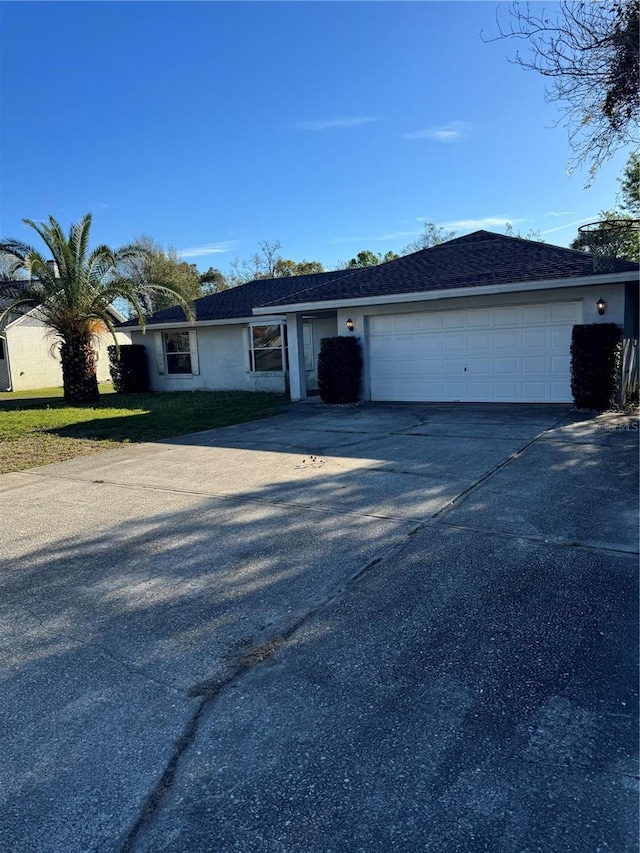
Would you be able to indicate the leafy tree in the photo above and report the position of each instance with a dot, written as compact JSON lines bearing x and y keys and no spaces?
{"x":155,"y":265}
{"x":624,"y":239}
{"x":285,"y":268}
{"x":74,"y":292}
{"x":590,"y":52}
{"x":630,"y":186}
{"x":432,"y":235}
{"x":213,"y":281}
{"x":623,"y":242}
{"x":367,"y":258}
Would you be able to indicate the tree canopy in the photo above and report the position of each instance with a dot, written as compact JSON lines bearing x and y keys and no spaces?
{"x":590,"y":53}
{"x":367,"y":258}
{"x":155,"y":265}
{"x":73,"y":290}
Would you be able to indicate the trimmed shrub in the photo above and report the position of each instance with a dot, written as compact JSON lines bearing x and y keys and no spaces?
{"x":595,"y":365}
{"x":339,"y":369}
{"x":128,"y":368}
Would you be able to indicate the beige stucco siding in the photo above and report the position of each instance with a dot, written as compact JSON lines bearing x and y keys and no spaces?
{"x":33,"y":358}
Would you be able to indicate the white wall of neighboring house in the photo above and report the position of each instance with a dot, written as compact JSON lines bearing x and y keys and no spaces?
{"x":32,"y":360}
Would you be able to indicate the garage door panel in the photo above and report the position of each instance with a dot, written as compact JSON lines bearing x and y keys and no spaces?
{"x":533,"y":391}
{"x":506,"y":390}
{"x":429,"y":344}
{"x":480,"y":317}
{"x":534,"y":339}
{"x":453,"y":343}
{"x":507,"y":316}
{"x":406,"y":323}
{"x":480,"y":366}
{"x":535,"y":314}
{"x":560,"y":391}
{"x":505,"y":353}
{"x":534,"y":364}
{"x":454,"y":320}
{"x":379,"y":325}
{"x":558,"y":339}
{"x":505,"y":340}
{"x":505,"y":365}
{"x":429,"y":321}
{"x":453,"y":366}
{"x":479,"y":342}
{"x":429,"y":367}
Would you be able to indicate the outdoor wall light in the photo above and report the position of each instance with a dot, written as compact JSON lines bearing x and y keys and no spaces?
{"x":351,"y":325}
{"x":601,"y":305}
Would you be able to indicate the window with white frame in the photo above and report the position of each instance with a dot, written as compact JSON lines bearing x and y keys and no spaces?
{"x":177,"y":353}
{"x":268,"y":348}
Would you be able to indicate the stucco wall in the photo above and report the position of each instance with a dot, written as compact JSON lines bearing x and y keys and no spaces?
{"x":222,"y":362}
{"x":33,"y":357}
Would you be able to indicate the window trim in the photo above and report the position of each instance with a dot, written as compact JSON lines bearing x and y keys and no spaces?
{"x":250,"y":360}
{"x":162,"y":362}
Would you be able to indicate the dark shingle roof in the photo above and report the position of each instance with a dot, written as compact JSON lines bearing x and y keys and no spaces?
{"x":475,"y":260}
{"x":239,"y":301}
{"x":481,"y":258}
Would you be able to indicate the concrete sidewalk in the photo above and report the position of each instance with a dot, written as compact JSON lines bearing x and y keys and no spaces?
{"x":371,"y":628}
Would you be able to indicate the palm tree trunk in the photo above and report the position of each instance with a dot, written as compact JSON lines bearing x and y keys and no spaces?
{"x":79,"y":370}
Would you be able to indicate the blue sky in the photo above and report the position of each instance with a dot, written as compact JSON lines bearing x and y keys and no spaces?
{"x":332,"y":126}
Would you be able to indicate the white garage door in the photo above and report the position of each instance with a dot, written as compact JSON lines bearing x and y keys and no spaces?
{"x":503,"y":354}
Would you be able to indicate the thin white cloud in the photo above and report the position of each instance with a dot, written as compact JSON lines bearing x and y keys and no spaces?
{"x":207,"y":249}
{"x":476,"y":224}
{"x":451,"y":132}
{"x":570,"y":224}
{"x":395,"y":235}
{"x":330,"y":124}
{"x":560,"y":213}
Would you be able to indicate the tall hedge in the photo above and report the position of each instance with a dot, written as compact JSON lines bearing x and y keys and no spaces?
{"x":339,"y":369}
{"x":128,"y":368}
{"x":595,"y":365}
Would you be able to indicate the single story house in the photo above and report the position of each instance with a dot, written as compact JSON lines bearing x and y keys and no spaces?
{"x":483,"y":317}
{"x":29,"y":353}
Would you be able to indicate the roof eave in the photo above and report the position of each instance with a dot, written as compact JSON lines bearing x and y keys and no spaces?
{"x":191,"y":324}
{"x":452,"y":293}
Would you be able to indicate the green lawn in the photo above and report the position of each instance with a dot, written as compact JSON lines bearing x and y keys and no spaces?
{"x":37,"y":427}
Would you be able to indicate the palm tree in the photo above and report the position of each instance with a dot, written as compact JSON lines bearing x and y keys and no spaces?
{"x":73,"y":292}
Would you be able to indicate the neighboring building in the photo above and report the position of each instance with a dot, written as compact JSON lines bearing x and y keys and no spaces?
{"x":484,"y":317}
{"x":29,"y":356}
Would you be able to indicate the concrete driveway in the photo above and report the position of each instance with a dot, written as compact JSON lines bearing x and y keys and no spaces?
{"x":385,"y":627}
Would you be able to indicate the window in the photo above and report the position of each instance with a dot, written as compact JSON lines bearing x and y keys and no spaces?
{"x":268,"y":348}
{"x":177,"y":353}
{"x":307,"y":339}
{"x":2,"y":355}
